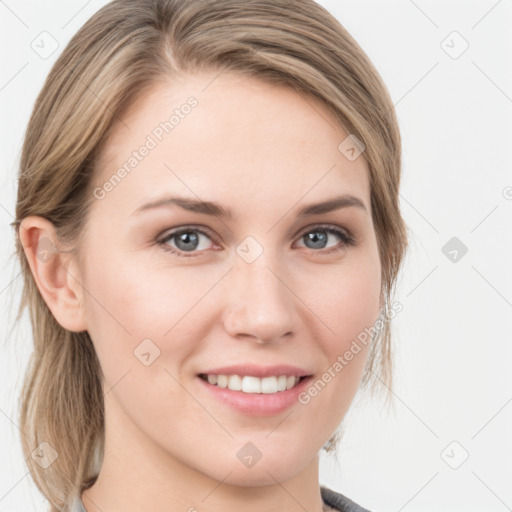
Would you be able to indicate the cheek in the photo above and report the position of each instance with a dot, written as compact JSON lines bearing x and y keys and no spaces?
{"x":348,"y":305}
{"x":346,"y":298}
{"x":130,"y":301}
{"x":134,"y":296}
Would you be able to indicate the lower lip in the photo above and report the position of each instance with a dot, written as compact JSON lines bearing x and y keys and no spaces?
{"x":257,"y":404}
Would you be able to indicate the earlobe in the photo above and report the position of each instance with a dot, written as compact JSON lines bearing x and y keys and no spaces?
{"x":55,"y":272}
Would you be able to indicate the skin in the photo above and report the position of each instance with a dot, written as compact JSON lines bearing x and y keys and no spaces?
{"x":262,"y":151}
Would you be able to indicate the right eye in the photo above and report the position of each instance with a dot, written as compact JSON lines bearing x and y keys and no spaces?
{"x":186,"y":240}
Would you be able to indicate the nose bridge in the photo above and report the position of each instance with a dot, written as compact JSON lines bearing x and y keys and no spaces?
{"x":260,"y":304}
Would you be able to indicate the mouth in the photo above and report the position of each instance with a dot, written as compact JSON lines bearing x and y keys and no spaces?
{"x":253,"y":389}
{"x":254,"y":385}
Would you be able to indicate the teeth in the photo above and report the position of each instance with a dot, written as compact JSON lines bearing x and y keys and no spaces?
{"x":250,"y":384}
{"x":235,"y":383}
{"x":281,"y":383}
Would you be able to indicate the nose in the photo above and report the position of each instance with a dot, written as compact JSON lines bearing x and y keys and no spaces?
{"x":260,"y":305}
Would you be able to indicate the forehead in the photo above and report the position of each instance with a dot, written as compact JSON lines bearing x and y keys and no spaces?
{"x":236,"y":135}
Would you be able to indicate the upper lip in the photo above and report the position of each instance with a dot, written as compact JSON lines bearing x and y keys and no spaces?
{"x":258,"y":371}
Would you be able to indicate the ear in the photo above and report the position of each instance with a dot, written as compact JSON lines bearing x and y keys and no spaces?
{"x":55,"y":272}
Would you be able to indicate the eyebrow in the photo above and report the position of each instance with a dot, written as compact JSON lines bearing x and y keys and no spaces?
{"x":211,"y":208}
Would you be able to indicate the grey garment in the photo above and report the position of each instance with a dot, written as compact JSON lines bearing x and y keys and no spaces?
{"x":77,"y":505}
{"x":332,"y":498}
{"x":339,"y":501}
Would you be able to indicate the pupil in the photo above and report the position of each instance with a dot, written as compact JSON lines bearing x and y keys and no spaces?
{"x":318,"y":241}
{"x":187,"y":237}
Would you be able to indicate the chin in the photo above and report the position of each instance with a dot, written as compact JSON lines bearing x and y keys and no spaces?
{"x":266,"y":471}
{"x":259,"y":478}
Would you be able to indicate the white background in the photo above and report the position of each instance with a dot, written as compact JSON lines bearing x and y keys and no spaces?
{"x":453,"y":345}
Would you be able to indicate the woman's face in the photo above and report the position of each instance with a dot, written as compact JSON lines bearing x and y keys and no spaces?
{"x":263,"y":286}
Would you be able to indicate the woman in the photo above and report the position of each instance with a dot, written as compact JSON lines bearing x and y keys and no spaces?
{"x":208,"y":377}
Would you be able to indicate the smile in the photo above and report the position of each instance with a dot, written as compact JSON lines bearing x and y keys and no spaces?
{"x":251,"y":384}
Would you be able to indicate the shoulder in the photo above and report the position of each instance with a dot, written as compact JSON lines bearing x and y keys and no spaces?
{"x":339,"y":501}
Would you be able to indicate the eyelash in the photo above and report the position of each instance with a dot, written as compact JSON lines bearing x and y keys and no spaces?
{"x":346,"y":239}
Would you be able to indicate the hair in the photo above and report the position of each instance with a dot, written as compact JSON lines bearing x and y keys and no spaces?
{"x":117,"y":56}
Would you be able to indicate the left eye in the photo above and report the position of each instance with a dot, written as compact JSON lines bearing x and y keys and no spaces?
{"x":317,"y":242}
{"x":188,"y":240}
